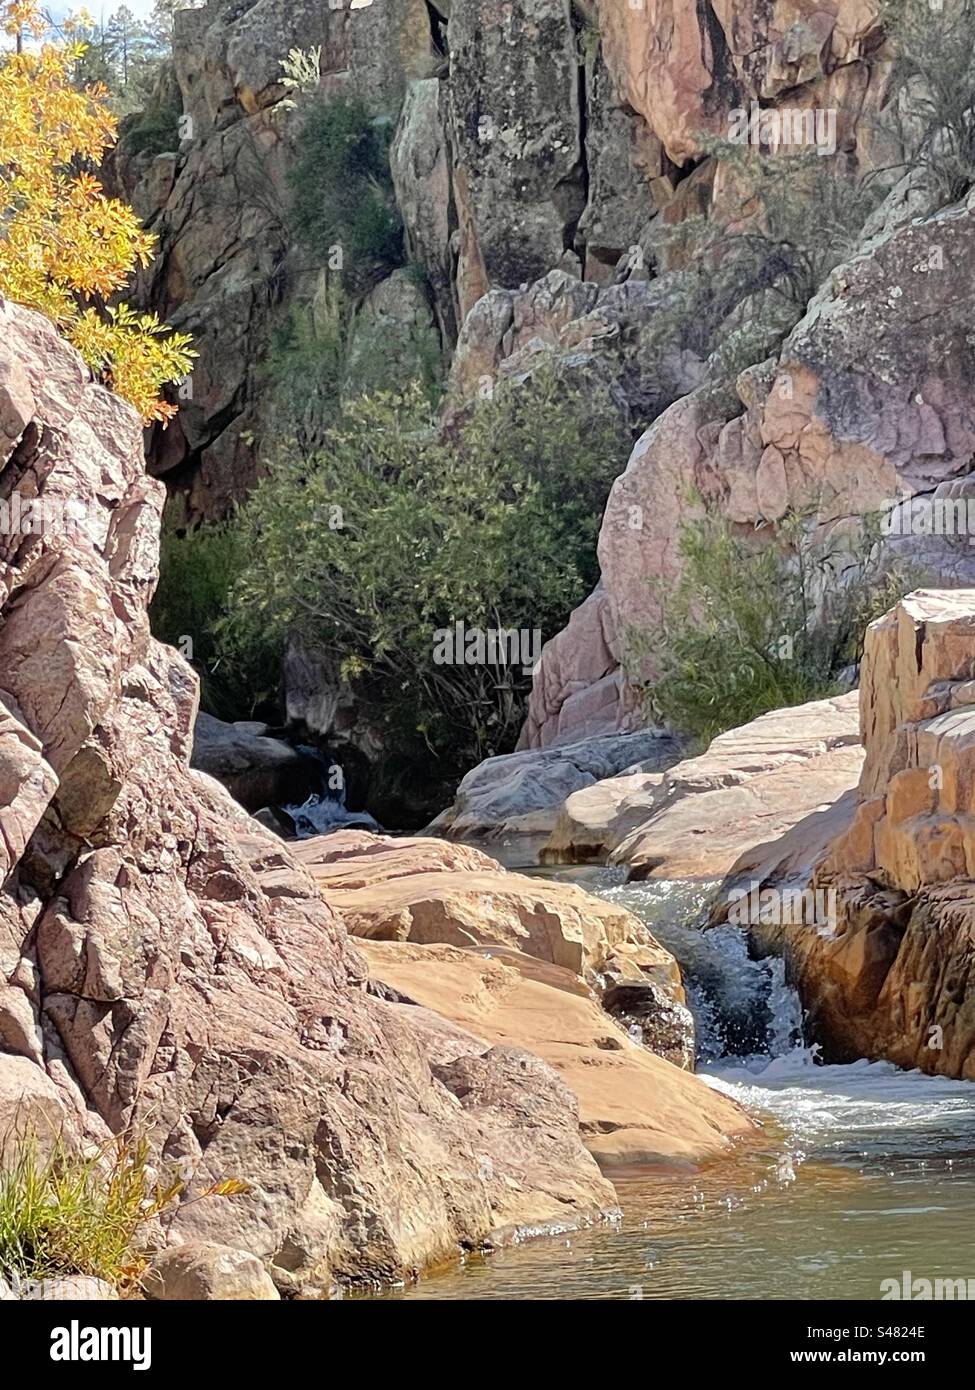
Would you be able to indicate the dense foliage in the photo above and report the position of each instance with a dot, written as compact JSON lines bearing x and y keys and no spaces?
{"x":758,"y":620}
{"x":342,"y":207}
{"x":394,"y":530}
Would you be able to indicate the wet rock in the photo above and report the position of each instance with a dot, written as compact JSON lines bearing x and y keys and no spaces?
{"x":275,"y":819}
{"x":662,"y":1023}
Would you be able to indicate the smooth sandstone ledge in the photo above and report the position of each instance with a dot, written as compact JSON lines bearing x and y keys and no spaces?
{"x":700,"y":819}
{"x":635,"y":1109}
{"x":433,"y":891}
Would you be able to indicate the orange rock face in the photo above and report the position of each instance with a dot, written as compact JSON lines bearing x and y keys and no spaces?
{"x":685,"y":67}
{"x":891,"y":975}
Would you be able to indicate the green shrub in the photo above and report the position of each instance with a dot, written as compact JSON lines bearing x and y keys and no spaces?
{"x":341,"y":189}
{"x":153,"y":131}
{"x":198,"y":569}
{"x":394,"y":530}
{"x":930,"y":110}
{"x":66,"y":1212}
{"x":322,"y":356}
{"x":758,"y":621}
{"x":392,"y":358}
{"x":787,"y":219}
{"x":306,"y":370}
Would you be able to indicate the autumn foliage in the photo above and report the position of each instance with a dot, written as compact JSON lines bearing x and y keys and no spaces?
{"x":66,"y":248}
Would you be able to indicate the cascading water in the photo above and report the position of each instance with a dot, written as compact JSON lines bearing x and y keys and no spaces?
{"x":325,"y":809}
{"x":865,"y":1174}
{"x":743,"y":1008}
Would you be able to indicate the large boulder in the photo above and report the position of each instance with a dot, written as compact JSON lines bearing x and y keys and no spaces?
{"x":520,"y":794}
{"x":634,"y":1107}
{"x":707,"y":814}
{"x":167,"y":966}
{"x":200,"y":1272}
{"x":429,"y":890}
{"x":256,"y":770}
{"x":515,"y":131}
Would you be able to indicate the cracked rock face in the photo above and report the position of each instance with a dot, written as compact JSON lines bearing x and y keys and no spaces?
{"x":534,"y":136}
{"x":517,"y":141}
{"x":158,"y":970}
{"x":869,"y":401}
{"x":684,"y":66}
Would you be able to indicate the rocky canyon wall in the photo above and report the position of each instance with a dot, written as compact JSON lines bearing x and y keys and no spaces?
{"x":546,"y":156}
{"x":168,"y":968}
{"x":159,"y":971}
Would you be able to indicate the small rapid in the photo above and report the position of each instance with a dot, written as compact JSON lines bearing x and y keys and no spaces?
{"x":325,"y":810}
{"x":863,"y":1173}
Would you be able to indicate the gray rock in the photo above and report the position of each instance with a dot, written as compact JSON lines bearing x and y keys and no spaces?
{"x":523,"y":792}
{"x":257,"y":771}
{"x":514,"y":127}
{"x":420,"y":165}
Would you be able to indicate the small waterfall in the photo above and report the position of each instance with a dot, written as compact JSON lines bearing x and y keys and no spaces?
{"x":325,"y":809}
{"x":743,"y":1008}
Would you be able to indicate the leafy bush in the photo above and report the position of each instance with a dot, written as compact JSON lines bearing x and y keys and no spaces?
{"x":394,"y":530}
{"x":341,"y":188}
{"x":931,"y":110}
{"x":198,"y":569}
{"x":393,"y":357}
{"x":306,"y":369}
{"x":322,"y":356}
{"x":787,"y":220}
{"x":757,"y":622}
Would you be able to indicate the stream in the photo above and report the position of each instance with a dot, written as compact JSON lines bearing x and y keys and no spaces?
{"x":863,"y":1171}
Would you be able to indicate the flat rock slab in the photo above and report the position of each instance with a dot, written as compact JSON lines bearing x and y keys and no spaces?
{"x":634,"y":1108}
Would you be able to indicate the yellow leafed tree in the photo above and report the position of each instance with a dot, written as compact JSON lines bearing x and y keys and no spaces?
{"x":66,"y":248}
